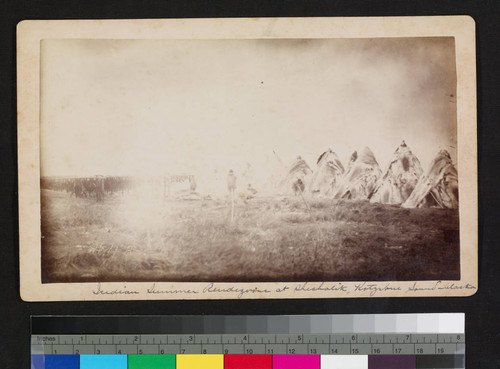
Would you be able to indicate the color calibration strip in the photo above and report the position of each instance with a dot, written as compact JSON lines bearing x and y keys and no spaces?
{"x":389,"y":341}
{"x":247,"y":361}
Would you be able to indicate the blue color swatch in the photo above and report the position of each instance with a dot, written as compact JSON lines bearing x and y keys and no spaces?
{"x":55,"y":362}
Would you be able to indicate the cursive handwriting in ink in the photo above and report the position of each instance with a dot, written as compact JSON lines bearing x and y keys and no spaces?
{"x":117,"y":291}
{"x":440,"y":285}
{"x":306,"y":287}
{"x":374,"y":288}
{"x":211,"y":288}
{"x":154,"y":290}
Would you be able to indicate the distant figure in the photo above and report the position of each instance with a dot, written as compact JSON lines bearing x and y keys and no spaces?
{"x":231,"y":182}
{"x":251,"y":191}
{"x":298,"y":187}
{"x":248,"y":194}
{"x":192,"y":184}
{"x":354,"y":156}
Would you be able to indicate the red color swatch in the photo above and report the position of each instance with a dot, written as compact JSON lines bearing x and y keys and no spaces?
{"x":248,"y":361}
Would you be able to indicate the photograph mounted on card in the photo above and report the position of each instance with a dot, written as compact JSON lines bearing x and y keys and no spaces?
{"x":247,"y":158}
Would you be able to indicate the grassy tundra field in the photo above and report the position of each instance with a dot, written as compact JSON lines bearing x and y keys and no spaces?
{"x":270,"y":239}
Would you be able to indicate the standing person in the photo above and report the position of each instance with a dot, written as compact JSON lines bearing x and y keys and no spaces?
{"x":231,"y":182}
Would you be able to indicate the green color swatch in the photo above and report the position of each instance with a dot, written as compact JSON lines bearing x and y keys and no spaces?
{"x":151,"y":361}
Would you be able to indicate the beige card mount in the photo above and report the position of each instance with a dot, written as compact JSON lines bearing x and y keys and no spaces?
{"x":247,"y":158}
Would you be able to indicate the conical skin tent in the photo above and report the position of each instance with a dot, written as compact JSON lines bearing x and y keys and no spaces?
{"x":327,"y":175}
{"x":360,"y":180}
{"x":400,"y":179}
{"x":438,"y":187}
{"x":298,"y":171}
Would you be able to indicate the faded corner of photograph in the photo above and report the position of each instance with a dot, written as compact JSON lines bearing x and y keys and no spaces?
{"x":249,"y":160}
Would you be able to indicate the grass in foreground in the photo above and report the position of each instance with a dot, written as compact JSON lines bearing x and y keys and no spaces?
{"x":270,"y":239}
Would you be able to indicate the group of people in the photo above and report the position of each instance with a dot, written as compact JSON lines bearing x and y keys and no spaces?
{"x":231,"y":187}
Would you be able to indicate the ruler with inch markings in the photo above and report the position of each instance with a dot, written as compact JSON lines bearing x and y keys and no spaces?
{"x":289,"y":344}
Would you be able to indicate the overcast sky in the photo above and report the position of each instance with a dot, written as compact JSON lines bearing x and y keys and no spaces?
{"x":152,"y":107}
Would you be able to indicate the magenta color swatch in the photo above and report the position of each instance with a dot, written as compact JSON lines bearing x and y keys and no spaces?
{"x":296,"y":362}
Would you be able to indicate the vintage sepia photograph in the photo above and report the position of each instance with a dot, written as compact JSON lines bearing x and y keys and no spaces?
{"x":249,"y":160}
{"x":252,"y":160}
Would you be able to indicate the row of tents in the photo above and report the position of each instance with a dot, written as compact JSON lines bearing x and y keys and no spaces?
{"x":403,"y":183}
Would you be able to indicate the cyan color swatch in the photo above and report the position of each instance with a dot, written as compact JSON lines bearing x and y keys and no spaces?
{"x":103,"y":362}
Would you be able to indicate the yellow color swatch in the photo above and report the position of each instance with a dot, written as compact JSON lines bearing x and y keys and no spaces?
{"x":200,"y":361}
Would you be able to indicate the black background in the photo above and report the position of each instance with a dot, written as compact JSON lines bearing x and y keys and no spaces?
{"x":482,"y":310}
